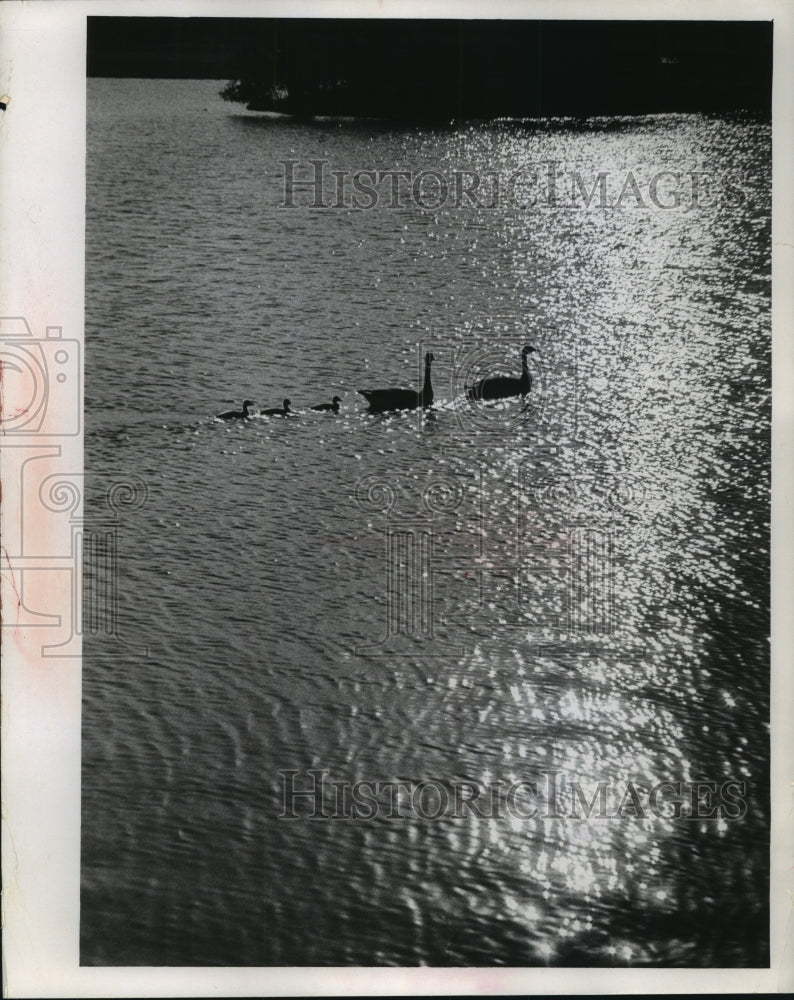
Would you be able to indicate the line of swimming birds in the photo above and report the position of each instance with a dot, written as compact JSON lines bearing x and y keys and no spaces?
{"x":387,"y":400}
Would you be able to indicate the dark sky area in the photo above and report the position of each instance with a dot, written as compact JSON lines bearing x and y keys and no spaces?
{"x":454,"y":69}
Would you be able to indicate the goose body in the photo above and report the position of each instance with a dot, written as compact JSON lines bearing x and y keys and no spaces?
{"x":237,"y":414}
{"x":332,"y":407}
{"x":383,"y":400}
{"x":504,"y":386}
{"x":277,"y":411}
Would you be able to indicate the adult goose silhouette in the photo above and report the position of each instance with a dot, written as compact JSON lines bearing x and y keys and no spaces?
{"x":238,"y":414}
{"x":383,"y":400}
{"x":503,"y":386}
{"x":332,"y":407}
{"x":277,"y":411}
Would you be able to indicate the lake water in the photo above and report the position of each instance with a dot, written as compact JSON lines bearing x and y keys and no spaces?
{"x":565,"y":591}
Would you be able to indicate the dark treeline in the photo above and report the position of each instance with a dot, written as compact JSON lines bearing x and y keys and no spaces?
{"x":442,"y":70}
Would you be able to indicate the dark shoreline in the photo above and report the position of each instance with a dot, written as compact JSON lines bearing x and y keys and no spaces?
{"x":439,"y":71}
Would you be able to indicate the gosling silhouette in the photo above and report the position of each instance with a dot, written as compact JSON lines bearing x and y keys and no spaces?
{"x":503,"y":386}
{"x":332,"y":407}
{"x":277,"y":411}
{"x":237,"y":414}
{"x":383,"y":400}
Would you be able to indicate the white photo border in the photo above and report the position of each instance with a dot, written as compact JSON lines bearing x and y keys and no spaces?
{"x":42,"y":230}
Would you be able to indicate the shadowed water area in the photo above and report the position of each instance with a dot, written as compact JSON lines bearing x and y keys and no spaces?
{"x":573,"y":586}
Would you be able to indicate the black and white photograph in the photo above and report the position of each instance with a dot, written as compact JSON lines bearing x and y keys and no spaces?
{"x":421,"y":589}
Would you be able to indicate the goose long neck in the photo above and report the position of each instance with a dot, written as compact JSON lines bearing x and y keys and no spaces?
{"x":427,"y":387}
{"x":526,"y":378}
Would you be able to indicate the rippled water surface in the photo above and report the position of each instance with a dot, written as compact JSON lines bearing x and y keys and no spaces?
{"x":592,"y":565}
